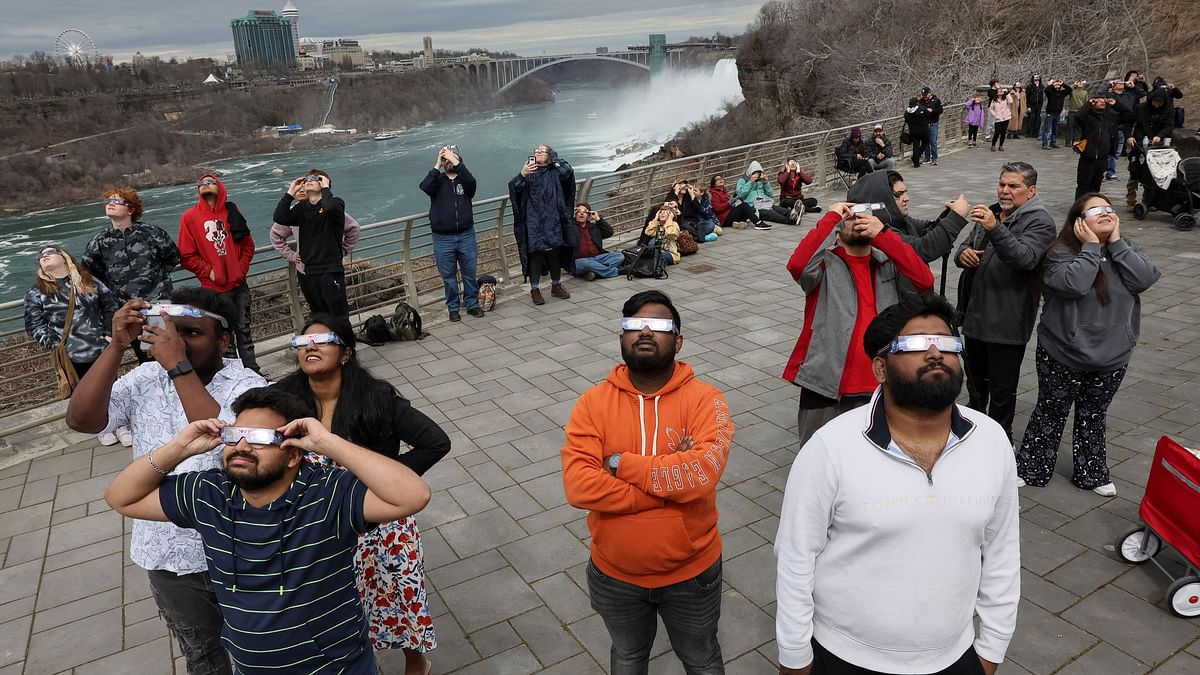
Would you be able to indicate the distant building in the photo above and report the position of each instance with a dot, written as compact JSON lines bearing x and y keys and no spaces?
{"x":292,"y":14}
{"x":333,"y":51}
{"x":427,"y":42}
{"x":262,"y":38}
{"x":139,"y":61}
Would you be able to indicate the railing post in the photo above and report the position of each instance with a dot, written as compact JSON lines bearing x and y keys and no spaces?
{"x":410,"y":281}
{"x":584,"y":193}
{"x":647,"y":196}
{"x":500,"y":252}
{"x":823,"y":160}
{"x":293,"y":291}
{"x":703,"y":164}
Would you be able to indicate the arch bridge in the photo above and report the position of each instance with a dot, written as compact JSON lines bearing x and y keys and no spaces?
{"x":501,"y":74}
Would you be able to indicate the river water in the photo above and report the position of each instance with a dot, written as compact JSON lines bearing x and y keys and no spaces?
{"x":596,"y":129}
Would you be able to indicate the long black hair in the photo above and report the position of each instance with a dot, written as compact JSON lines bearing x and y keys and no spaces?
{"x":1066,"y":238}
{"x":366,"y":404}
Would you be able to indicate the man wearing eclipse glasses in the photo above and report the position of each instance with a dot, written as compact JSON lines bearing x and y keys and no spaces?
{"x":320,"y":219}
{"x":187,"y":380}
{"x":899,"y":520}
{"x":644,"y":453}
{"x":280,"y":532}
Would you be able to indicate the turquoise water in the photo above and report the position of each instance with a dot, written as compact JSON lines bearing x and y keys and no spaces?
{"x":594,"y":128}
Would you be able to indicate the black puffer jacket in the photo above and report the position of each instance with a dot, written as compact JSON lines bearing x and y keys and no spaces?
{"x":1055,"y":96}
{"x":1099,"y":129}
{"x":1151,"y":121}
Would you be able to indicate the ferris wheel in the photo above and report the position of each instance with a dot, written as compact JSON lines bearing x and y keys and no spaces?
{"x":76,"y":47}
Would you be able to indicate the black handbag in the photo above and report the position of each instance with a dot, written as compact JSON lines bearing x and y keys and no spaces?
{"x":644,"y":262}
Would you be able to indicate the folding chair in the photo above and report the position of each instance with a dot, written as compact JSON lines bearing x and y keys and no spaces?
{"x":846,"y":177}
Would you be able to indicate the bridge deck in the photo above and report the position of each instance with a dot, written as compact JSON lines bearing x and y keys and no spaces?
{"x":505,"y":554}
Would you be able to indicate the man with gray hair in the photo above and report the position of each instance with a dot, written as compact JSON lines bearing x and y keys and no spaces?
{"x":996,"y":296}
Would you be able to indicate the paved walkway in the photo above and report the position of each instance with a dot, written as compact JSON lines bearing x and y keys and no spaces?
{"x":506,"y":554}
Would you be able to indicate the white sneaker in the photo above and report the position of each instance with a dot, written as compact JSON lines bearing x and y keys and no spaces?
{"x":1106,"y":490}
{"x":1020,"y":482}
{"x":107,"y":438}
{"x":125,"y":436}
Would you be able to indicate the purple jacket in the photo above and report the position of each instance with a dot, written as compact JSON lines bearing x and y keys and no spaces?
{"x":975,"y":113}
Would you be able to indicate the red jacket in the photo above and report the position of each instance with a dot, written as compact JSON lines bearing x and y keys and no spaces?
{"x":791,"y":186}
{"x":720,"y":202}
{"x":207,"y":248}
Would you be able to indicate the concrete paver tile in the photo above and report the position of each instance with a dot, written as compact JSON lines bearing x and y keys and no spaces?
{"x":735,"y":510}
{"x":545,"y":553}
{"x":753,"y":575}
{"x":1043,"y":550}
{"x":1087,"y":572}
{"x":1044,"y":594}
{"x":580,"y":664}
{"x":472,"y":498}
{"x":25,"y":547}
{"x":488,"y":599}
{"x":1147,"y":633}
{"x":495,"y":639}
{"x":38,"y":491}
{"x":79,"y":609}
{"x":517,"y":661}
{"x":89,"y":640}
{"x":480,"y":532}
{"x":1180,"y":664}
{"x":44,"y":467}
{"x":151,"y":658}
{"x":15,"y":609}
{"x":559,"y":515}
{"x":14,"y":635}
{"x":743,"y":627}
{"x":567,"y":600}
{"x":19,"y":581}
{"x":84,"y":531}
{"x":80,"y":581}
{"x":517,"y":502}
{"x":24,"y":520}
{"x":464,"y":570}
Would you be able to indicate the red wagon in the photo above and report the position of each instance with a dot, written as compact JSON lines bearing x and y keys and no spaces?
{"x":1170,"y":512}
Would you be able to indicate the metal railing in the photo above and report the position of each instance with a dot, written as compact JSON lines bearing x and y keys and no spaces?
{"x":393,"y":260}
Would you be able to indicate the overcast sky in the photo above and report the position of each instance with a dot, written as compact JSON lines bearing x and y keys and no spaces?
{"x":174,"y":28}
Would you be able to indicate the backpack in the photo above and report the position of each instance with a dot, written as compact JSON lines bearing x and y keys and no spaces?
{"x":487,"y":292}
{"x":375,"y":331}
{"x":405,"y":323}
{"x":644,"y":262}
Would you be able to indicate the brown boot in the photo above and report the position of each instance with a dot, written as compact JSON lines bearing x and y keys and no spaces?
{"x":536,"y":294}
{"x":559,"y":291}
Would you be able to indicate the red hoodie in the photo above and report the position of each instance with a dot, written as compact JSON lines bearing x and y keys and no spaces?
{"x":207,"y":248}
{"x":654,"y":523}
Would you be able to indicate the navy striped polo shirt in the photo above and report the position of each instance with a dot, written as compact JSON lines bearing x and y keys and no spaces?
{"x":283,"y":573}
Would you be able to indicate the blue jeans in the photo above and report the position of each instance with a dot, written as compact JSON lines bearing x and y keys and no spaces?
{"x":1116,"y":152}
{"x":931,"y":149}
{"x":689,"y":609}
{"x":1049,"y":130}
{"x":605,"y":265}
{"x":455,"y":252}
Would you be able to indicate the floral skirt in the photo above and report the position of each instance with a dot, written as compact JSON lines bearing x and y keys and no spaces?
{"x":390,"y":566}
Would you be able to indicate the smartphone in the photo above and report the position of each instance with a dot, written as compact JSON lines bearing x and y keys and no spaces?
{"x":531,"y":160}
{"x":151,"y":320}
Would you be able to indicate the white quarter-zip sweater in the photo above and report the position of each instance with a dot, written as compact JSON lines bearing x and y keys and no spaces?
{"x":886,"y":565}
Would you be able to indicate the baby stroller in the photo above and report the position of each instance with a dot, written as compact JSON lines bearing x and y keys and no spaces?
{"x":1170,"y":184}
{"x":1168,"y":513}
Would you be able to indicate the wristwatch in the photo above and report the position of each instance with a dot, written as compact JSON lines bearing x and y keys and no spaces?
{"x":182,"y":368}
{"x":613,"y":462}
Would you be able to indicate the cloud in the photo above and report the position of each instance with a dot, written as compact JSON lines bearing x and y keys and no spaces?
{"x":121,"y":27}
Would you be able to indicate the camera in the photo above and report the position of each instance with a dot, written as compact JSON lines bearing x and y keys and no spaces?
{"x":866,"y":208}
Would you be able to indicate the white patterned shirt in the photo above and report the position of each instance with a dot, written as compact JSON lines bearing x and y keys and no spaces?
{"x":144,"y":400}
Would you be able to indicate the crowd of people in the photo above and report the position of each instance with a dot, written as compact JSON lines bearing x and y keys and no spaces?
{"x":275,"y":520}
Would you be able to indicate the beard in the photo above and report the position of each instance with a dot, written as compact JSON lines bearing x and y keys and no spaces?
{"x":936,"y":393}
{"x":855,"y":239}
{"x":252,"y":477}
{"x":642,"y":362}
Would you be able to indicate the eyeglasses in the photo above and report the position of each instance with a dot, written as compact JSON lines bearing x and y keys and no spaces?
{"x":920,"y":343}
{"x":899,"y":194}
{"x":47,"y":252}
{"x":115,"y":201}
{"x":1097,"y":210}
{"x":175,"y":311}
{"x":255,"y":437}
{"x":208,"y":181}
{"x":312,"y":179}
{"x":637,"y":323}
{"x":539,"y":151}
{"x":299,"y":341}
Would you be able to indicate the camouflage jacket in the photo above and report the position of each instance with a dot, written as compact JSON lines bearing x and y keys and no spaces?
{"x":136,"y":263}
{"x":91,"y":321}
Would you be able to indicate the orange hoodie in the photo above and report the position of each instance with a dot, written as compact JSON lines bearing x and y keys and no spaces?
{"x":655,"y":523}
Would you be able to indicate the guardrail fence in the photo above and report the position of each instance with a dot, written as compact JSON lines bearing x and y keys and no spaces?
{"x":393,"y":260}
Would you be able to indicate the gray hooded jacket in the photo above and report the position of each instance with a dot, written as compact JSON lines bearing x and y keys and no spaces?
{"x":1076,"y":329}
{"x":1003,"y":304}
{"x":931,"y":239}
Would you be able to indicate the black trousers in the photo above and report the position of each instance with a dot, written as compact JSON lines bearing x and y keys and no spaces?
{"x":544,"y":261}
{"x":993,"y":370}
{"x":243,"y":342}
{"x":999,"y":132}
{"x":972,"y":133}
{"x":1089,"y":175}
{"x":920,"y":142}
{"x":325,"y":293}
{"x":825,"y":663}
{"x":861,"y":167}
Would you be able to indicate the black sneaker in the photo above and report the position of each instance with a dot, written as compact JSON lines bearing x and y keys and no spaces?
{"x":476,"y":312}
{"x":589,"y":276}
{"x":454,"y":316}
{"x":762,"y":225}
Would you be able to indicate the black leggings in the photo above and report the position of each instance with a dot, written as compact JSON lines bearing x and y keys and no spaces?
{"x":972,"y":132}
{"x":543,"y":261}
{"x":999,"y":133}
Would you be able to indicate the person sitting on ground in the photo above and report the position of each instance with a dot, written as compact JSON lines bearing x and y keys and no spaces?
{"x":684,"y":196}
{"x":880,"y":146}
{"x":591,"y":260}
{"x":664,"y":221}
{"x":279,"y":533}
{"x":756,"y":199}
{"x":721,"y":202}
{"x":791,"y":192}
{"x":63,"y":289}
{"x":931,"y":239}
{"x":852,"y":155}
{"x":709,"y":223}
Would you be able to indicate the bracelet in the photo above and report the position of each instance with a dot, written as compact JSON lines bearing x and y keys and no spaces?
{"x":150,"y":458}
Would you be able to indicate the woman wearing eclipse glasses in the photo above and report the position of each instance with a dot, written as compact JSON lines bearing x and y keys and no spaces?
{"x":1092,"y":280}
{"x":367,"y":411}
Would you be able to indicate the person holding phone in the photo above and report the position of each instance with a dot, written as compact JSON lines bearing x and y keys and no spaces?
{"x":591,"y":260}
{"x":850,"y":267}
{"x":1092,"y":281}
{"x":451,"y":187}
{"x":542,"y":195}
{"x":309,"y":205}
